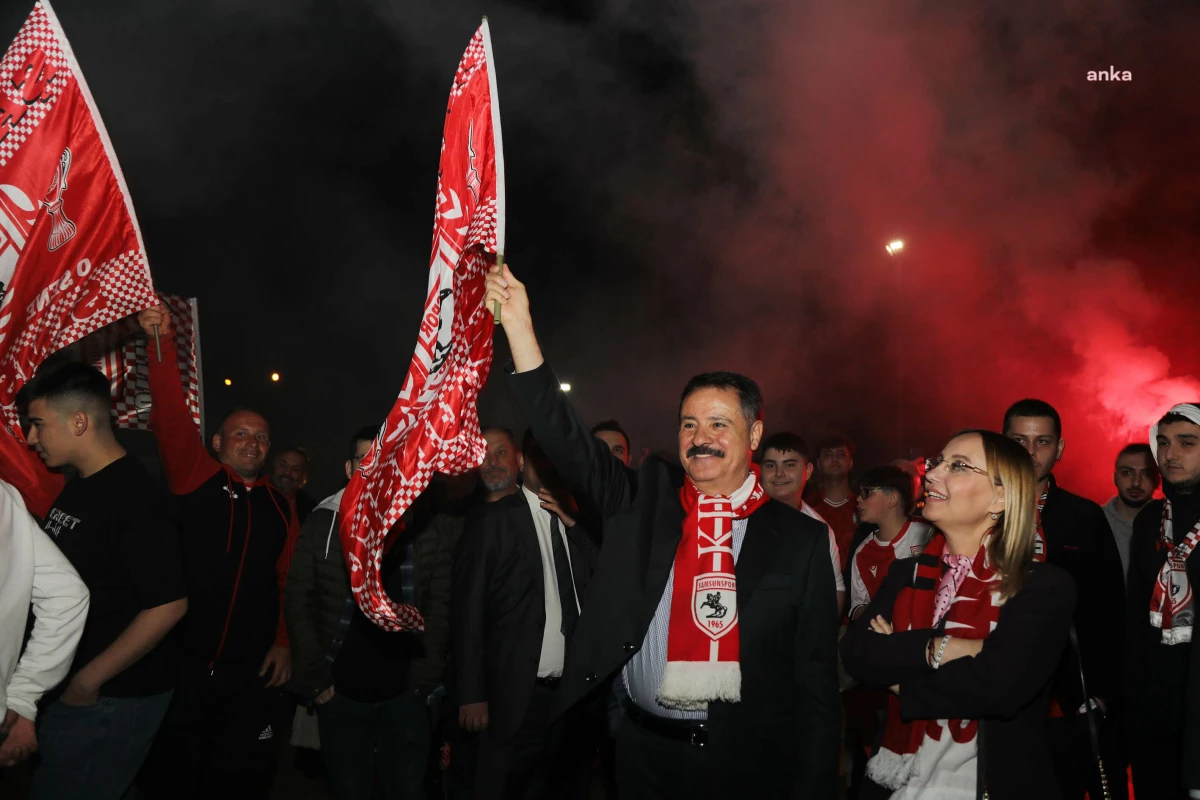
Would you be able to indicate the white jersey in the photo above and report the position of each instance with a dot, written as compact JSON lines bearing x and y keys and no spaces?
{"x":834,"y":555}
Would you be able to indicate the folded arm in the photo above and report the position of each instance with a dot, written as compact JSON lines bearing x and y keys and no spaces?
{"x":1018,"y":658}
{"x":881,"y":660}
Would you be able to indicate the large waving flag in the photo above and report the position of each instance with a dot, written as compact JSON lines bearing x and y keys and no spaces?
{"x":71,"y":255}
{"x":434,"y":424}
{"x":123,"y":353}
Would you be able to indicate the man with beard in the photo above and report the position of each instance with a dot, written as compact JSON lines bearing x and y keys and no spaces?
{"x":501,"y":466}
{"x":1136,"y":477}
{"x":1075,"y":536}
{"x":289,"y":474}
{"x":1162,"y":666}
{"x":713,"y":603}
{"x":517,"y":585}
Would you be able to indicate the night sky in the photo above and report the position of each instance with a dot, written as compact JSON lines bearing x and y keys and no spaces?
{"x":691,"y":186}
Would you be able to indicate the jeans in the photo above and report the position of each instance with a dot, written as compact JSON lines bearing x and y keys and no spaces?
{"x":95,"y":751}
{"x":358,"y":740}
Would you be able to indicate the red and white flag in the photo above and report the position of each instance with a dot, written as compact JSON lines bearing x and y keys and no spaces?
{"x":123,"y":353}
{"x":434,"y":424}
{"x":71,"y":254}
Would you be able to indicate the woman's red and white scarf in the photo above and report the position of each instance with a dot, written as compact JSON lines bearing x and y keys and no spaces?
{"x":702,"y":639}
{"x":1171,"y":606}
{"x":927,"y":754}
{"x":1039,"y":538}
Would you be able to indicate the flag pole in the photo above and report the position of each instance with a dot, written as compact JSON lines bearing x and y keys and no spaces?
{"x":495,"y":303}
{"x":157,"y":345}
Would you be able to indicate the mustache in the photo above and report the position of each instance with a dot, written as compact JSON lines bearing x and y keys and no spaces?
{"x":704,"y":450}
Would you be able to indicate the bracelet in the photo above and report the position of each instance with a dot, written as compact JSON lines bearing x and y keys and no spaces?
{"x":937,"y":659}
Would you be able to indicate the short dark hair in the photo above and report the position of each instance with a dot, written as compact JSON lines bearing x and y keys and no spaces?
{"x":786,"y":442}
{"x":512,"y":437}
{"x":367,"y":433}
{"x":893,"y":479}
{"x":1030,"y":407}
{"x":833,"y":441}
{"x":75,"y":381}
{"x":749,"y":395}
{"x":1137,"y":448}
{"x":611,"y":425}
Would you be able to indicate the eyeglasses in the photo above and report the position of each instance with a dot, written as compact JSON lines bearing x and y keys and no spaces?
{"x":866,"y":491}
{"x":955,"y":467}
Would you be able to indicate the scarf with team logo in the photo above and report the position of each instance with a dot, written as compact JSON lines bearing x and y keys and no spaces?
{"x":930,"y":754}
{"x":702,"y":637}
{"x":1171,"y":606}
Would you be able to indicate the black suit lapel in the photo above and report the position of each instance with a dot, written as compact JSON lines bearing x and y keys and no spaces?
{"x":666,"y":531}
{"x":758,"y":550}
{"x":528,"y":539}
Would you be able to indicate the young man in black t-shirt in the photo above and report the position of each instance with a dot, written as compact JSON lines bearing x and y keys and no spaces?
{"x":111,"y":523}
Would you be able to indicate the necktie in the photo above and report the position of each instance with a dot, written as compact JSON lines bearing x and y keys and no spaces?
{"x":566,"y":581}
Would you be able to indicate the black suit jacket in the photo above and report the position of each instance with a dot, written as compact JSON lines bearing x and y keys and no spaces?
{"x":498,"y":608}
{"x":1007,"y":686}
{"x":781,"y":740}
{"x":1080,"y":541}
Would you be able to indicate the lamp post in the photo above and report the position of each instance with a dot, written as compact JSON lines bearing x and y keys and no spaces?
{"x":895,"y":249}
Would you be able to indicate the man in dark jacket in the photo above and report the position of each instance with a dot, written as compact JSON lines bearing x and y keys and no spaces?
{"x":694,"y":560}
{"x":237,"y":536}
{"x":1162,"y":664}
{"x":370,"y":686}
{"x":520,"y":577}
{"x":1079,"y":540}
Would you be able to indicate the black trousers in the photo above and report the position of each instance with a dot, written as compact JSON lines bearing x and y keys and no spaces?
{"x":653,"y":767}
{"x":523,"y":767}
{"x":220,"y":738}
{"x":1075,"y":763}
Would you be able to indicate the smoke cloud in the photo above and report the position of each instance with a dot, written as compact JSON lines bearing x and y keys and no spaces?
{"x":691,"y":187}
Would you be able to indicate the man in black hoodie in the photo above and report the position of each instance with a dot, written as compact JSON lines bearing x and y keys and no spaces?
{"x":1077,"y":537}
{"x":238,"y":533}
{"x":1162,"y":679}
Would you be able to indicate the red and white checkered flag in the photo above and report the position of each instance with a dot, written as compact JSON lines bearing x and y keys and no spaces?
{"x":123,"y":353}
{"x":434,"y":424}
{"x":71,"y":254}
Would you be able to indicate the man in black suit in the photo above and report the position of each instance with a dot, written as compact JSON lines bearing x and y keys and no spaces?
{"x":519,"y":576}
{"x":762,"y":721}
{"x":1079,"y":540}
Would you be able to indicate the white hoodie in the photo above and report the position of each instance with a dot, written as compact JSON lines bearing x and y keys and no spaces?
{"x":33,"y":569}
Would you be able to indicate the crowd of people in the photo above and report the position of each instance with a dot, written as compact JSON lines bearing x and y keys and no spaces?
{"x":754,"y":619}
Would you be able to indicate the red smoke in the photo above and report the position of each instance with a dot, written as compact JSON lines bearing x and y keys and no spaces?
{"x":970,"y":132}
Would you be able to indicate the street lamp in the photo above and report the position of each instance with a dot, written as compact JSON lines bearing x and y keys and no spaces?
{"x":895,"y":249}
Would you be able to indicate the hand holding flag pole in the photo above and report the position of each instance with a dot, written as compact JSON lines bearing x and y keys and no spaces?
{"x":157,"y":345}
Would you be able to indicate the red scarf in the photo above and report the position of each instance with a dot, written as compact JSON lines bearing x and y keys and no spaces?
{"x":918,"y":607}
{"x":1039,"y":541}
{"x":702,"y":640}
{"x":1171,"y":606}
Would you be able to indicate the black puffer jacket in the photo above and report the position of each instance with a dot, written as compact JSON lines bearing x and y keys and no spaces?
{"x":319,"y":585}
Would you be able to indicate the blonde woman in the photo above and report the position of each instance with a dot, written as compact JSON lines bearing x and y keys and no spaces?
{"x":967,"y":636}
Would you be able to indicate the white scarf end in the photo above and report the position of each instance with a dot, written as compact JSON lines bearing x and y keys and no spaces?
{"x":890,"y":770}
{"x":692,"y":685}
{"x":1177,"y":635}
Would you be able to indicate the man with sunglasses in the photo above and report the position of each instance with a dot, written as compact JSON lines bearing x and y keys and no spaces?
{"x":1076,"y":537}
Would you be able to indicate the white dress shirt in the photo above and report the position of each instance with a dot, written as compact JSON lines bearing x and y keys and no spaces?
{"x":554,"y":644}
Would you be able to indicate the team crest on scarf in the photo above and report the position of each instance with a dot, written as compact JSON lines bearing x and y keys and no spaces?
{"x":714,"y":601}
